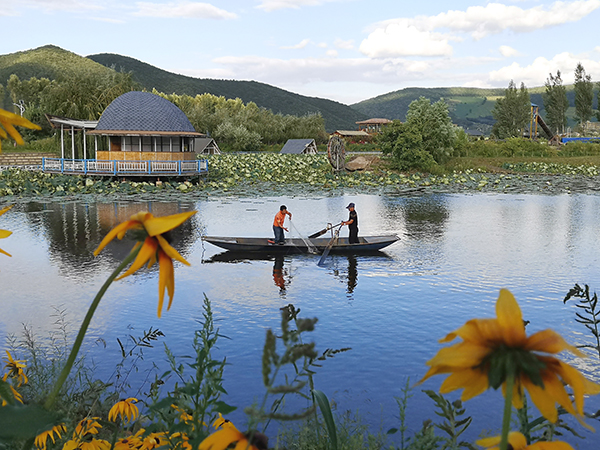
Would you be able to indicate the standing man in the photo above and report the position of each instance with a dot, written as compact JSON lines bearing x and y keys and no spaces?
{"x":278,"y":224}
{"x":352,"y":223}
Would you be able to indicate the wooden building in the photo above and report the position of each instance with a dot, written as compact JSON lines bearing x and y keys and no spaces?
{"x":373,"y":126}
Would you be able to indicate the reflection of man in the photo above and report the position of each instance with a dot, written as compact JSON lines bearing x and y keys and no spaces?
{"x":278,"y":273}
{"x":352,"y":274}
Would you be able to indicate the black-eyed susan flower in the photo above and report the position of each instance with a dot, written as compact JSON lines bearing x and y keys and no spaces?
{"x":228,"y":435}
{"x":494,"y":350}
{"x":154,"y":440}
{"x":93,"y":444}
{"x":15,"y":369}
{"x":125,"y":409}
{"x":87,"y":426}
{"x":130,"y":442}
{"x":5,"y":233}
{"x":154,"y":248}
{"x":18,"y":397}
{"x":8,"y":121}
{"x":518,"y":442}
{"x":41,"y":440}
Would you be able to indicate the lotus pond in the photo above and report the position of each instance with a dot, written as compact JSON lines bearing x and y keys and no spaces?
{"x":457,"y":251}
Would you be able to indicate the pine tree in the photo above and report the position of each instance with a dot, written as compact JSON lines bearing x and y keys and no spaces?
{"x":556,"y":103}
{"x":584,"y":95}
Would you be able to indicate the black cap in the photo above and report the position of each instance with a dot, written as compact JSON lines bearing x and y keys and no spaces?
{"x":351,"y":205}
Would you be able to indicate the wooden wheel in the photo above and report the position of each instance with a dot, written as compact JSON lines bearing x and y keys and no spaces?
{"x":336,"y":153}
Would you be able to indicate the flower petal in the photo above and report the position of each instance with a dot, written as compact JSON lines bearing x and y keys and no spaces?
{"x":170,"y":251}
{"x":473,"y":381}
{"x":461,"y":355}
{"x":510,"y":319}
{"x":121,"y":228}
{"x":166,"y":279}
{"x":159,"y":225}
{"x":549,"y":341}
{"x":148,"y":249}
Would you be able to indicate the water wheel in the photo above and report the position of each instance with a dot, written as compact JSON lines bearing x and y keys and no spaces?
{"x":336,"y":153}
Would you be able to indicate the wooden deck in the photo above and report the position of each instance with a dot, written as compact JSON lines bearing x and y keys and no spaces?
{"x":117,"y":167}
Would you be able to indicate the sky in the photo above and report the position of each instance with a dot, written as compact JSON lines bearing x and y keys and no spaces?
{"x":342,"y":50}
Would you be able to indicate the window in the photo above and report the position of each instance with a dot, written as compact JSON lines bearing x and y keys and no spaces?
{"x":147,"y":144}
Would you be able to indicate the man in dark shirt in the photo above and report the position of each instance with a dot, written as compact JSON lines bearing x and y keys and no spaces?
{"x":352,"y":223}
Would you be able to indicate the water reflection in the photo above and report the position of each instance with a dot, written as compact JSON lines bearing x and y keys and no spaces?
{"x":74,"y":230}
{"x":280,"y":274}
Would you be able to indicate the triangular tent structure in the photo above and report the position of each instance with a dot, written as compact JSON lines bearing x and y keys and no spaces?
{"x":299,"y":146}
{"x":206,"y":146}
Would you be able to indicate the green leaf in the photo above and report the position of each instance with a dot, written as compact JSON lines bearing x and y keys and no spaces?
{"x":25,"y":422}
{"x":224,"y":408}
{"x":325,"y":408}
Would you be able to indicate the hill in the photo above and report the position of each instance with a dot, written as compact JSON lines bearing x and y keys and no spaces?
{"x":469,"y":107}
{"x":53,"y":62}
{"x":337,"y":115}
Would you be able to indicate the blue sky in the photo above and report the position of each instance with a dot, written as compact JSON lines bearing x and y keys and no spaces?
{"x":343,"y":50}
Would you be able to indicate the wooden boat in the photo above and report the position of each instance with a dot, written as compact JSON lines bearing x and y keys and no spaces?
{"x":297,"y":245}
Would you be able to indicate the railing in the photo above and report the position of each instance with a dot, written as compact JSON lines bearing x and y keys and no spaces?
{"x":117,"y":167}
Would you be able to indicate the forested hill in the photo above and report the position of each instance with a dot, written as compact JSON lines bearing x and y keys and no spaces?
{"x":337,"y":115}
{"x":469,"y":107}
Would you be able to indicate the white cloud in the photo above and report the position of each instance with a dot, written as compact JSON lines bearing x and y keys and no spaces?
{"x":400,"y":39}
{"x":493,"y":18}
{"x":184,"y":9}
{"x":508,"y":52}
{"x":332,"y":53}
{"x":301,"y":44}
{"x":346,"y":45}
{"x":52,"y":5}
{"x":429,"y":35}
{"x":537,"y":72}
{"x":273,"y":5}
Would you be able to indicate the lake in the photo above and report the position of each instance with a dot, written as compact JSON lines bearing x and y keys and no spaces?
{"x":456,"y":252}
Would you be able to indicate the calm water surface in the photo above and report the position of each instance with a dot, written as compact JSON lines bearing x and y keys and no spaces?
{"x":456,"y":252}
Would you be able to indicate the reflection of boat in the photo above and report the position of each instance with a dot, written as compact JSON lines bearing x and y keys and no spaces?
{"x":298,"y":245}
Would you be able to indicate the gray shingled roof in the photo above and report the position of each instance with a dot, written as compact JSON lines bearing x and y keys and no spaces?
{"x":296,"y":146}
{"x":143,"y":111}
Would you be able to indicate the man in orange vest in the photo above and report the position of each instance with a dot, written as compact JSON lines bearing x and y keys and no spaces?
{"x":278,"y":224}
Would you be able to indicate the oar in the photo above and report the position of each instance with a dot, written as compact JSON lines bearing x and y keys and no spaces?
{"x":328,"y":248}
{"x":323,"y":231}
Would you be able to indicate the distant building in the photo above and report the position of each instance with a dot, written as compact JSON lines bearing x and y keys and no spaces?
{"x":352,"y":136}
{"x":300,"y":146}
{"x":373,"y":126}
{"x":144,"y":126}
{"x":206,"y":146}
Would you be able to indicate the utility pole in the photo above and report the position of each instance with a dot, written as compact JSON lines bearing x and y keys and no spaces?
{"x":21,"y":106}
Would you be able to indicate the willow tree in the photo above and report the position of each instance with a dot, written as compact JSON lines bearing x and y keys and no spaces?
{"x":512,"y":112}
{"x":556,"y":103}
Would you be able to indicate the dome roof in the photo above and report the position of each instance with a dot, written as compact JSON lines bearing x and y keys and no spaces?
{"x":144,"y":111}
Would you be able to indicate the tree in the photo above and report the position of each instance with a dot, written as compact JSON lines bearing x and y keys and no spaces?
{"x":512,"y":113}
{"x":584,"y":95}
{"x":556,"y":103}
{"x":426,"y":139}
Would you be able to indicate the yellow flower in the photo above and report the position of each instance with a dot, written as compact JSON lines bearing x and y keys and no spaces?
{"x":5,"y":233}
{"x":87,"y":426}
{"x":180,"y":441}
{"x":15,"y":369}
{"x":130,"y":442}
{"x":183,"y":415}
{"x":8,"y":121}
{"x":126,"y":409}
{"x":42,"y":438}
{"x":154,"y":440}
{"x":518,"y":442}
{"x":155,"y":248}
{"x":94,"y":444}
{"x":18,"y":397}
{"x":229,"y":434}
{"x":493,"y":349}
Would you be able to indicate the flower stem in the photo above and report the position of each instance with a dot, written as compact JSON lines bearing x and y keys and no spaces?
{"x":84,"y":326}
{"x":510,"y":383}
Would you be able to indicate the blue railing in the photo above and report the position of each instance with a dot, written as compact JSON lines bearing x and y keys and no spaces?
{"x":118,"y":167}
